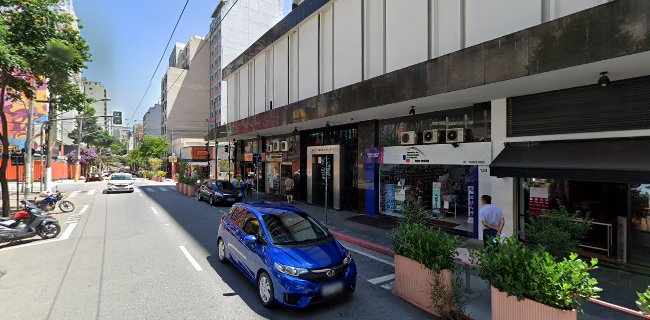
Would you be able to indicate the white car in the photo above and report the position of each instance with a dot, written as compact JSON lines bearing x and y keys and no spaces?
{"x":120,"y":182}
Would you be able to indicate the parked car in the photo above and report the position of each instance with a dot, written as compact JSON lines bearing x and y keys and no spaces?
{"x":291,"y":257}
{"x":94,"y":177}
{"x":120,"y":182}
{"x":218,"y":192}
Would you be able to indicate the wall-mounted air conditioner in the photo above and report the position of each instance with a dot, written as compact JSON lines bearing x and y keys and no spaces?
{"x":276,"y":145}
{"x":284,"y":145}
{"x":431,"y":136}
{"x":269,"y":147}
{"x":409,"y":137}
{"x":455,"y":135}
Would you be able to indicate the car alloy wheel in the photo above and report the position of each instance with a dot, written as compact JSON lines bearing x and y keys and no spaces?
{"x":265,"y":289}
{"x":222,"y":251}
{"x":212,"y":202}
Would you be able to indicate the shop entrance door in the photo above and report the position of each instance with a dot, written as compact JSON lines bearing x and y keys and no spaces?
{"x":318,"y":180}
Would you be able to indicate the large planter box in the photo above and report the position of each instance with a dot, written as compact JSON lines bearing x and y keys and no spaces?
{"x":183,"y":186}
{"x":178,"y":187}
{"x":413,"y":283}
{"x":508,"y":308}
{"x":189,"y":191}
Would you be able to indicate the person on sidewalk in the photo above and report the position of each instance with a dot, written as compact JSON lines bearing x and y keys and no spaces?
{"x":242,"y":187}
{"x":249,"y":187}
{"x":235,"y":182}
{"x":288,"y":186}
{"x":492,"y":219}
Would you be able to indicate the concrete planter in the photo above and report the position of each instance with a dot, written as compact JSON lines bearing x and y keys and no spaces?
{"x":508,"y":308}
{"x":413,"y":283}
{"x":189,"y":191}
{"x":178,"y":187}
{"x":183,"y":187}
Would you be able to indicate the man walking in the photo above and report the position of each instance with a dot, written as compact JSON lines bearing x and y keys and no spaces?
{"x":492,"y":219}
{"x":249,"y":187}
{"x":288,"y":186}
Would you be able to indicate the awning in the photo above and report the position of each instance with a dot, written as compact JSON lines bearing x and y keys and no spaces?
{"x":596,"y":160}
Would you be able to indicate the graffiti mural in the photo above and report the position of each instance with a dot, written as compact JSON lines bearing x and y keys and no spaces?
{"x":17,"y":111}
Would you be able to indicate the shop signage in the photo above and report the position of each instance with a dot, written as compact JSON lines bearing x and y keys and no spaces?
{"x":373,"y":155}
{"x":248,"y":157}
{"x":435,"y":198}
{"x":470,"y":154}
{"x":470,"y":204}
{"x":199,"y":153}
{"x":274,"y":157}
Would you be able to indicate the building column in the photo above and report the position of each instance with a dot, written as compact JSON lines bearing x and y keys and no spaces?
{"x":502,"y":189}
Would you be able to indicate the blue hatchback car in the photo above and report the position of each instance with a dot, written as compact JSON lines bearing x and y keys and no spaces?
{"x":291,"y":257}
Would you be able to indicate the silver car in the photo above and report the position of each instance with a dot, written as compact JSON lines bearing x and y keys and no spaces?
{"x":120,"y":182}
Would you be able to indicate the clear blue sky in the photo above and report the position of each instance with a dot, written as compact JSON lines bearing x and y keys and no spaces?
{"x":126,"y":39}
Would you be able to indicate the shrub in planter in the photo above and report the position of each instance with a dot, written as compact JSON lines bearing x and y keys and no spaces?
{"x":644,"y":301}
{"x":559,"y":231}
{"x":423,"y":266}
{"x":533,"y":274}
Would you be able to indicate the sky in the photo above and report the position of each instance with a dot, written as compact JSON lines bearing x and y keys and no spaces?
{"x":127,"y":38}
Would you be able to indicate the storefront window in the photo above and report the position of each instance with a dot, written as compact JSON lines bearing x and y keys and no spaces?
{"x":448,"y":191}
{"x":639,"y":243}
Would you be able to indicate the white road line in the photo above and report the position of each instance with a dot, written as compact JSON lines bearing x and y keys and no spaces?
{"x":154,"y":211}
{"x":191,"y":259}
{"x":140,"y":194}
{"x":388,"y":286}
{"x":66,"y":234}
{"x":371,"y":256}
{"x":35,"y":243}
{"x":162,"y":189}
{"x":91,"y":192}
{"x":137,"y":190}
{"x":382,"y":279}
{"x":74,"y":194}
{"x":83,"y":210}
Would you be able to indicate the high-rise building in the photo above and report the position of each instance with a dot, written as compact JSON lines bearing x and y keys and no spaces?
{"x":152,"y":121}
{"x":138,"y":135}
{"x":184,"y":91}
{"x":235,"y":25}
{"x":96,"y":91}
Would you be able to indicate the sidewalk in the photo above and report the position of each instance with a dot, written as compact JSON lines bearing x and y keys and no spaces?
{"x":619,"y":286}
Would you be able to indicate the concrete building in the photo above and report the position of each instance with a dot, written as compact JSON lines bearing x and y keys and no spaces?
{"x":152,"y":121}
{"x":231,"y":34}
{"x":184,"y":91}
{"x":95,"y":90}
{"x":138,"y":135}
{"x":444,"y":101}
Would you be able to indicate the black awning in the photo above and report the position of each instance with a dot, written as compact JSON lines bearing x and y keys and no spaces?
{"x":600,"y":160}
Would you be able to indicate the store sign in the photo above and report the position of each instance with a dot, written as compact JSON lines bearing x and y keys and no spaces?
{"x":373,"y":155}
{"x":470,"y":154}
{"x":470,"y":204}
{"x":199,"y":153}
{"x":274,"y":157}
{"x":248,"y":157}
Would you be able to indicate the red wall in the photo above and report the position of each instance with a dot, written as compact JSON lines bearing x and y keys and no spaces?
{"x":59,"y":171}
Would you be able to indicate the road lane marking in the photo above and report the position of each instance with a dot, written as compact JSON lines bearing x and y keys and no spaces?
{"x":162,"y":189}
{"x":189,"y":257}
{"x":140,"y":194}
{"x":91,"y":192}
{"x":388,"y":286}
{"x":385,"y":278}
{"x":371,"y":256}
{"x":66,"y":234}
{"x":137,"y":190}
{"x":83,"y":210}
{"x":76,"y":217}
{"x":154,"y":211}
{"x":74,"y":194}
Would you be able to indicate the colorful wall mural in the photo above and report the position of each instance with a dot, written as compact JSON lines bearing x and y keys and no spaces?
{"x":17,"y":111}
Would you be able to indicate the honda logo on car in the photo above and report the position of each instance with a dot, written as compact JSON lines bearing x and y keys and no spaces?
{"x":414,"y":154}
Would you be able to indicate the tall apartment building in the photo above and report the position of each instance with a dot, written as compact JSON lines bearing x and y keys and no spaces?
{"x":138,"y":135}
{"x":540,"y":104}
{"x":235,"y":25}
{"x":184,"y":91}
{"x":96,"y":91}
{"x":152,"y":121}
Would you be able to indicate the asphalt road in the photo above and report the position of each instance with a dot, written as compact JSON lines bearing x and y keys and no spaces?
{"x":151,"y":254}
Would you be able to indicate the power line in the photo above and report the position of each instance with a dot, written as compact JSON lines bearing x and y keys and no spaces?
{"x":161,"y":58}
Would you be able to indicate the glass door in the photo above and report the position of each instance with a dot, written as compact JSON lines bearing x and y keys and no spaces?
{"x":318,"y":182}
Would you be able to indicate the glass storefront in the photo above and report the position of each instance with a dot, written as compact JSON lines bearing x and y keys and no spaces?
{"x":620,"y":228}
{"x":448,"y":191}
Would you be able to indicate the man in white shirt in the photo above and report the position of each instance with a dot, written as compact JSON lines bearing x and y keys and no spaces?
{"x":492,"y":219}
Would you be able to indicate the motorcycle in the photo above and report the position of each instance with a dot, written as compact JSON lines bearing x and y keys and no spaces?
{"x":36,"y":223}
{"x":12,"y":223}
{"x":49,"y":203}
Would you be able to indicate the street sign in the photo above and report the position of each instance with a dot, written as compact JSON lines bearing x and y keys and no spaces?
{"x":17,"y":159}
{"x":117,"y":117}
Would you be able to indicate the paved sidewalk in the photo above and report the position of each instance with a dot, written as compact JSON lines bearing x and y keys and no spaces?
{"x":619,"y":286}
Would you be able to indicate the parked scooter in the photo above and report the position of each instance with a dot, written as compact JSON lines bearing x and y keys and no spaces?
{"x":49,"y":203}
{"x":13,"y":222}
{"x":37,"y":223}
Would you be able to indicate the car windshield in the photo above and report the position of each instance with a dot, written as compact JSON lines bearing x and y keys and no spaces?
{"x":225,"y":185}
{"x":293,"y":228}
{"x":121,"y":177}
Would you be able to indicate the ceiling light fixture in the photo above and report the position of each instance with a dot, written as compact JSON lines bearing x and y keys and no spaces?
{"x":412,"y":112}
{"x":604,"y":80}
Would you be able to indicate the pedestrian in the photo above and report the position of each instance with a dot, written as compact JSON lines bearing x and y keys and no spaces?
{"x":492,"y":219}
{"x":235,"y":182}
{"x":249,"y":187}
{"x":242,"y":187}
{"x":288,"y":186}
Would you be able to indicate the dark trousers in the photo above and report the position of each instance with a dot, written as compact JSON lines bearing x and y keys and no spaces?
{"x":488,"y":235}
{"x":249,"y":190}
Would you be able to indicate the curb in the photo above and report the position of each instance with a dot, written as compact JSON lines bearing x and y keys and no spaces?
{"x":364,"y":244}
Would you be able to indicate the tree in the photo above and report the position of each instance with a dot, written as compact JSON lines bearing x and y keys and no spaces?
{"x":118,"y":148}
{"x":37,"y":44}
{"x":154,"y":147}
{"x":90,"y":129}
{"x":155,"y":164}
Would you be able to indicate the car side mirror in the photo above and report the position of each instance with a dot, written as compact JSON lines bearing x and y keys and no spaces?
{"x":250,"y":239}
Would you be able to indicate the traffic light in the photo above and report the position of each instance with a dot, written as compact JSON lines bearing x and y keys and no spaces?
{"x":117,"y":117}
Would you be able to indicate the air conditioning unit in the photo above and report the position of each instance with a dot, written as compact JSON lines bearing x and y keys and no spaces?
{"x":276,"y":145}
{"x":455,"y":135}
{"x":284,"y":145}
{"x":269,"y":147}
{"x":408,"y":137}
{"x":431,"y":136}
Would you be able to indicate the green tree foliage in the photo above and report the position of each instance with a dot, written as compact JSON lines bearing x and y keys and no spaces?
{"x":118,"y":149}
{"x":37,"y":44}
{"x":90,"y":129}
{"x":154,"y":163}
{"x":154,"y":147}
{"x":558,"y":231}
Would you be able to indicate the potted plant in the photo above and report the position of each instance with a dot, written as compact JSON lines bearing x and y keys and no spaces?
{"x":644,"y":301}
{"x":424,"y":257}
{"x":532,"y":284}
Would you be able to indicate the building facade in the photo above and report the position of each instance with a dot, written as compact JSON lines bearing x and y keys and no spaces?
{"x":137,"y":137}
{"x":152,"y":121}
{"x":184,"y":91}
{"x":443,"y":101}
{"x":235,"y":25}
{"x":96,"y":91}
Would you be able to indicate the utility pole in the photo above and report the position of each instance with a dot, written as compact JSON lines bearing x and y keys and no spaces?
{"x":29,"y":180}
{"x":77,"y":167}
{"x":48,"y":151}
